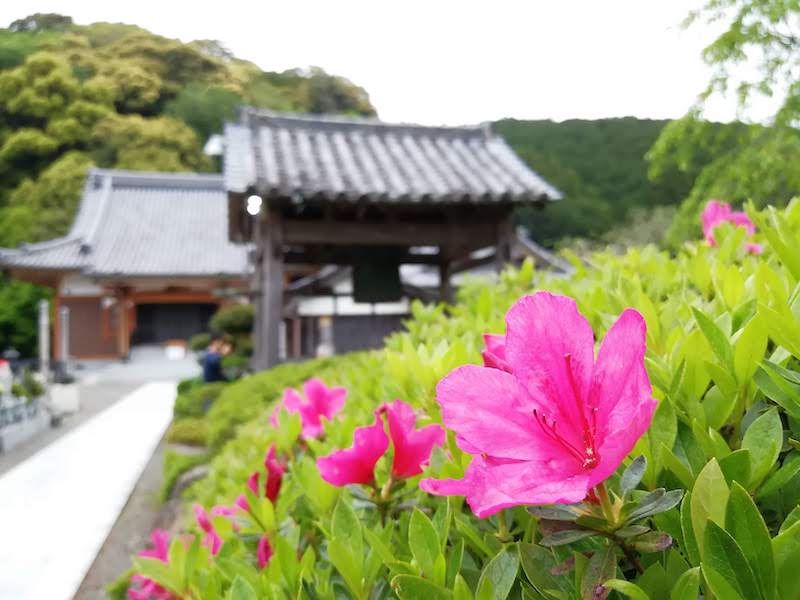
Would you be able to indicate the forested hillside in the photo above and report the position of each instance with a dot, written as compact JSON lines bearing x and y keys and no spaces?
{"x":116,"y":95}
{"x":600,"y":167}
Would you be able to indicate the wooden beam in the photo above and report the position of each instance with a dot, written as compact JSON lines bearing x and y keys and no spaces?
{"x":389,"y":234}
{"x":339,"y":255}
{"x":269,"y":295}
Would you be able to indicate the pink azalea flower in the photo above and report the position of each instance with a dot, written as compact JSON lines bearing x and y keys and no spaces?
{"x":147,"y":588}
{"x":412,"y":447}
{"x":560,"y":422}
{"x":241,"y":502}
{"x":160,"y":548}
{"x":715,"y":213}
{"x":320,"y":401}
{"x":264,"y":552}
{"x":495,"y":353}
{"x":275,"y":472}
{"x":356,"y":464}
{"x":211,"y":540}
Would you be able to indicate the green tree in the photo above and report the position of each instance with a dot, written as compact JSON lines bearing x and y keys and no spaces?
{"x":204,"y":108}
{"x":600,"y":168}
{"x":43,"y":208}
{"x":19,"y":314}
{"x":147,"y":144}
{"x":757,"y":54}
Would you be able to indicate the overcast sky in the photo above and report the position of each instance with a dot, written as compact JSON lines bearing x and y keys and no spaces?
{"x":452,"y":61}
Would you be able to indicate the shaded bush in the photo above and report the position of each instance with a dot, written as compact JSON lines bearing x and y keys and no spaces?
{"x":191,"y":431}
{"x":197,"y":401}
{"x":187,"y":384}
{"x":234,"y":320}
{"x":244,"y":399}
{"x":175,"y":465}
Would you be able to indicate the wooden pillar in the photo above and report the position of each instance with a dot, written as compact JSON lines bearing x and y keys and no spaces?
{"x":297,"y":334}
{"x":269,"y":295}
{"x":503,"y":244}
{"x":56,"y":345}
{"x":123,"y":328}
{"x":445,"y":287}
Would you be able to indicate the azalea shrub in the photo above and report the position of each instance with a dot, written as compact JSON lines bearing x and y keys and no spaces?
{"x":629,"y":430}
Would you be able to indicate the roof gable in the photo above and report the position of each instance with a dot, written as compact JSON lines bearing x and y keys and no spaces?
{"x":143,"y":224}
{"x":284,"y":155}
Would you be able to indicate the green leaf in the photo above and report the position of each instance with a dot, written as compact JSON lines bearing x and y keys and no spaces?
{"x":461,"y":590}
{"x":719,"y":586}
{"x":736,"y":466}
{"x":500,"y":572}
{"x":657,"y":501}
{"x":631,"y":590}
{"x":687,"y":586}
{"x":745,"y":523}
{"x":602,"y":567}
{"x":632,"y":475}
{"x":764,"y":439}
{"x":350,"y":567}
{"x":346,"y":527}
{"x":538,"y":564}
{"x":653,"y":541}
{"x":786,"y":554}
{"x":725,"y":556}
{"x":709,"y":499}
{"x":750,"y":348}
{"x":559,"y":538}
{"x":423,"y":542}
{"x":379,"y":546}
{"x":454,"y":558}
{"x":687,"y":529}
{"x":775,"y":386}
{"x":412,"y":587}
{"x":241,"y":590}
{"x":716,"y":338}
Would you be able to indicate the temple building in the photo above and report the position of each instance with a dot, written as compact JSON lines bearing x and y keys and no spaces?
{"x":329,"y":225}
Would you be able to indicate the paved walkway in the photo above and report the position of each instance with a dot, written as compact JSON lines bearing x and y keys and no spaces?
{"x":58,"y":506}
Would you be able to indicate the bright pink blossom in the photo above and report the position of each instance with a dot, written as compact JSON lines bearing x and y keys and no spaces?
{"x":560,"y":421}
{"x":356,"y":464}
{"x":412,"y":447}
{"x":147,"y":588}
{"x":211,"y":540}
{"x":274,"y":471}
{"x":494,"y":355}
{"x":320,"y":401}
{"x":263,"y":552}
{"x":715,"y":213}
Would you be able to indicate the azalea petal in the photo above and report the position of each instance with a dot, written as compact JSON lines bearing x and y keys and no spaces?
{"x":740,"y":219}
{"x":325,"y":401}
{"x":412,"y":448}
{"x":753,"y":248}
{"x":714,"y":213}
{"x":550,"y":347}
{"x":494,"y":355}
{"x":275,"y":472}
{"x":263,"y":552}
{"x":491,"y":486}
{"x":357,"y":463}
{"x":621,"y":393}
{"x":491,"y":413}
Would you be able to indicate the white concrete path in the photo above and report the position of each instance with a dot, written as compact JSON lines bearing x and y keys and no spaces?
{"x":57,"y":507}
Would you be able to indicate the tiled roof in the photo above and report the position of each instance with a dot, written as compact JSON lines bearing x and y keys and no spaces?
{"x":143,"y":224}
{"x":349,"y":159}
